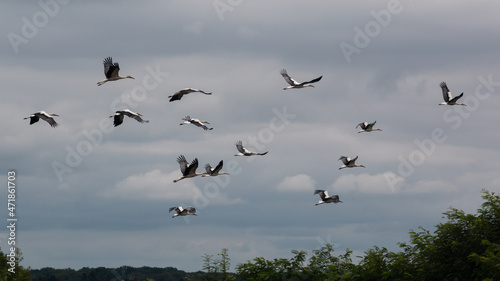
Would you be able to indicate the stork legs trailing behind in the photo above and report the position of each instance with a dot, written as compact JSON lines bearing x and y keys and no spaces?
{"x":189,"y":211}
{"x":118,"y":116}
{"x":111,"y":71}
{"x":325,"y":198}
{"x":187,"y":170}
{"x":185,"y":91}
{"x":349,"y":163}
{"x":367,"y":127}
{"x":44,"y":116}
{"x":196,"y":122}
{"x":245,"y":152}
{"x":214,"y":172}
{"x":296,"y":85}
{"x":448,"y":99}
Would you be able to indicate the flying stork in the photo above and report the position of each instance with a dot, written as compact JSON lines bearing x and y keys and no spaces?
{"x":325,"y":198}
{"x":296,"y":85}
{"x":245,"y":152}
{"x":183,"y":212}
{"x":118,"y":116}
{"x":367,"y":127}
{"x":448,"y":100}
{"x":196,"y":122}
{"x":214,"y":172}
{"x":185,"y":91}
{"x":111,"y":71}
{"x":188,"y":170}
{"x":45,"y":116}
{"x":349,"y":163}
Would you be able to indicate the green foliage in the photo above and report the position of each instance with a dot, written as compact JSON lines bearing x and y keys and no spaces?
{"x":322,"y":266}
{"x":19,"y":272}
{"x":455,"y":249}
{"x":465,"y":247}
{"x":216,"y":268}
{"x":125,"y":273}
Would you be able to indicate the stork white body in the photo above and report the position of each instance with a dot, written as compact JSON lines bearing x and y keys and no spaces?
{"x":48,"y":117}
{"x":179,"y":211}
{"x":187,"y":170}
{"x":185,"y":91}
{"x":118,"y":116}
{"x":448,"y":99}
{"x":349,"y":163}
{"x":215,"y":171}
{"x":245,"y":152}
{"x":196,"y":122}
{"x":111,"y":71}
{"x":367,"y":127}
{"x":325,"y":198}
{"x":296,"y":85}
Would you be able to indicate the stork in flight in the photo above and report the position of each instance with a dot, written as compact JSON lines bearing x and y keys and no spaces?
{"x":185,"y":91}
{"x":45,"y":116}
{"x":296,"y":85}
{"x":367,"y":127}
{"x":349,"y":163}
{"x":448,"y":100}
{"x":325,"y":198}
{"x":189,"y":211}
{"x":118,"y":116}
{"x":196,"y":122}
{"x":245,"y":152}
{"x":214,"y":172}
{"x":111,"y":71}
{"x":187,"y":170}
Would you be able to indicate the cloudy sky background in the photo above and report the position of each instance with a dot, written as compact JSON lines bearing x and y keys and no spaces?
{"x":107,"y":204}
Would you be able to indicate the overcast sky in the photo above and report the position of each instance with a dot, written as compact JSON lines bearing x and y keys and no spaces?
{"x":89,"y":194}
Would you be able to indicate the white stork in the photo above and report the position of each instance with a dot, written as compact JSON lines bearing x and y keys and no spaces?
{"x":325,"y":198}
{"x":296,"y":85}
{"x":118,"y":116}
{"x":367,"y":127}
{"x":111,"y":71}
{"x":189,"y":211}
{"x":349,"y":163}
{"x":188,"y":170}
{"x":196,"y":122}
{"x":185,"y":91}
{"x":45,"y":116}
{"x":245,"y":152}
{"x":448,"y":100}
{"x":214,"y":172}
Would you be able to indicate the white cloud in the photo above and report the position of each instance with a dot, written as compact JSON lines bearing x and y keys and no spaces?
{"x":154,"y":185}
{"x":366,"y":183}
{"x":431,"y":186}
{"x":297,"y":183}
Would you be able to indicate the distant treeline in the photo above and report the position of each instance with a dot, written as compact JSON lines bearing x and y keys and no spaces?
{"x":108,"y":274}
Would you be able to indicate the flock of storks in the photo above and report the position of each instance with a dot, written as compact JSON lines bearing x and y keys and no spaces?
{"x":188,"y":170}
